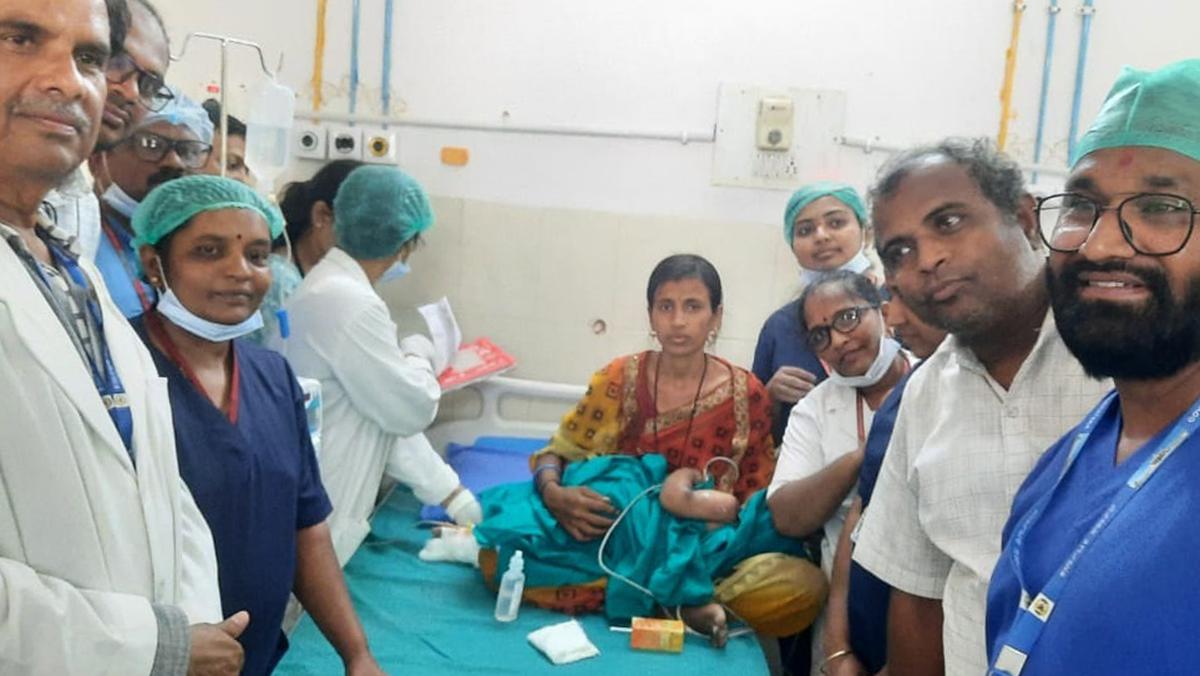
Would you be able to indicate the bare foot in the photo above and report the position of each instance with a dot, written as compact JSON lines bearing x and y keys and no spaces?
{"x":709,"y":620}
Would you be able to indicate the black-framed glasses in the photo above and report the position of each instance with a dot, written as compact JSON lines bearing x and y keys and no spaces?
{"x":844,"y":321}
{"x":153,"y":92}
{"x":152,"y":147}
{"x":1154,"y":224}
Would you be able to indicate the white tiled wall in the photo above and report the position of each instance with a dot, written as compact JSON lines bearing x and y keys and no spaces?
{"x":534,"y":280}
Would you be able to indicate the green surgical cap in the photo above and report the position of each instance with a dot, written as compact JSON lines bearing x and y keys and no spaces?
{"x":377,"y":210}
{"x":1157,"y":108}
{"x":171,"y":205}
{"x":815,"y":191}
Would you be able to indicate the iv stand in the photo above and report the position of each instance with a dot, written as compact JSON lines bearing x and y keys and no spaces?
{"x":226,"y":41}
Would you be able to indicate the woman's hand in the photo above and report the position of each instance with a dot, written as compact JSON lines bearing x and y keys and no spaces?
{"x":847,"y":665}
{"x":790,"y":384}
{"x":583,"y":513}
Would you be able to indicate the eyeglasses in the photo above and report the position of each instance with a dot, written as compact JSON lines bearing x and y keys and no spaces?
{"x":152,"y":147}
{"x":845,"y":321}
{"x":153,"y":92}
{"x":1154,"y":224}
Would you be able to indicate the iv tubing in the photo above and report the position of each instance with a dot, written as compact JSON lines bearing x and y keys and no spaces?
{"x":1010,"y":74}
{"x":319,"y":55}
{"x":1051,"y":24}
{"x":1086,"y":13}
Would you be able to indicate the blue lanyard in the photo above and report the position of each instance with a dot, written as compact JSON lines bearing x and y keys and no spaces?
{"x":1019,"y":641}
{"x":104,"y":375}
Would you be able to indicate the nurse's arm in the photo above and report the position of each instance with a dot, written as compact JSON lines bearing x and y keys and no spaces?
{"x":397,"y":391}
{"x":321,"y":589}
{"x":914,"y":636}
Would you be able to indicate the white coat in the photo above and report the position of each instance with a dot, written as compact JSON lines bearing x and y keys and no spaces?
{"x":88,"y":541}
{"x":374,"y":395}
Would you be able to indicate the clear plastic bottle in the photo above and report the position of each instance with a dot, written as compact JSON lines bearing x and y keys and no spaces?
{"x":267,"y":133}
{"x":512,"y":586}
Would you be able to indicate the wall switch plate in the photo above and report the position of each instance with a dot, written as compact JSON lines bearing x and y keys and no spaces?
{"x":775,"y":124}
{"x":379,"y":145}
{"x":345,"y":143}
{"x":309,"y":141}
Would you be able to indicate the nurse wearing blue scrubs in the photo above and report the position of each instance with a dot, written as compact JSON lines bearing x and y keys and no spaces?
{"x":240,"y":428}
{"x":825,"y":225}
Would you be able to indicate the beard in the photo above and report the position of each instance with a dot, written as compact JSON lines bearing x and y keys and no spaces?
{"x":162,"y":176}
{"x":1147,"y":341}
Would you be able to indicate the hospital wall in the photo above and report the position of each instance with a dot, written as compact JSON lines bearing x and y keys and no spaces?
{"x":539,"y":236}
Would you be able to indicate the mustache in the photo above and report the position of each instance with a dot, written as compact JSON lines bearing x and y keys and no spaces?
{"x":1153,"y":278}
{"x":162,"y":176}
{"x":68,"y":112}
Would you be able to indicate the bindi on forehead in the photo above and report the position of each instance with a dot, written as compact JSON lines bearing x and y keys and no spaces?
{"x":1126,"y":158}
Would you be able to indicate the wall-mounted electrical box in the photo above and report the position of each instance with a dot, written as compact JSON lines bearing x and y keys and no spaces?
{"x":345,"y":143}
{"x":309,"y":141}
{"x":776,"y":119}
{"x":379,"y":146}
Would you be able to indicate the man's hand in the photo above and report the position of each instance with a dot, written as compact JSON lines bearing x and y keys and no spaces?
{"x":790,"y":384}
{"x":581,"y":511}
{"x":215,"y":649}
{"x":364,"y":666}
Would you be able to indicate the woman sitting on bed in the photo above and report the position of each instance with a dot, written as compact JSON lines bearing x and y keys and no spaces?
{"x":678,"y":408}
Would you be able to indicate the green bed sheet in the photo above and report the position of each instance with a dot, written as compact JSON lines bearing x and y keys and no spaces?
{"x":436,"y":618}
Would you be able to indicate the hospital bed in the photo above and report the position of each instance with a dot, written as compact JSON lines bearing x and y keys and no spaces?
{"x":436,"y":618}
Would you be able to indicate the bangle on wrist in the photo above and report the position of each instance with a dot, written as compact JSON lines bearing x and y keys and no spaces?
{"x":829,"y":659}
{"x":538,"y":482}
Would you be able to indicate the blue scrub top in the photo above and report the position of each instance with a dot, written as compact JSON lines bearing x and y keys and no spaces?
{"x":116,"y":267}
{"x":781,"y":343}
{"x":1130,"y":605}
{"x":869,"y":596}
{"x":257,"y":483}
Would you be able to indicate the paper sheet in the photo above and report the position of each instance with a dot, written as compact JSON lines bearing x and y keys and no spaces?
{"x":443,"y":330}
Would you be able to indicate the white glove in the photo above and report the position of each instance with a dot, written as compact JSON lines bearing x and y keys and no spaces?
{"x":464,"y":509}
{"x":419,"y":346}
{"x":454,"y":545}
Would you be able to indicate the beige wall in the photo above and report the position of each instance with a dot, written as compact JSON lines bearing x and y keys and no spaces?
{"x":534,"y":280}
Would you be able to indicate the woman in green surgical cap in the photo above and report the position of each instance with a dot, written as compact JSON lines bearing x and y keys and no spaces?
{"x":379,"y":393}
{"x":825,"y":224}
{"x":240,"y":429}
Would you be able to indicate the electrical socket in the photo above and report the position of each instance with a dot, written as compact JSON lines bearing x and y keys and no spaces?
{"x":309,"y":141}
{"x":345,"y":143}
{"x":379,"y":145}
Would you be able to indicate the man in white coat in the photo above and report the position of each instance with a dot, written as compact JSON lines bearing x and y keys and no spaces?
{"x":106,"y":565}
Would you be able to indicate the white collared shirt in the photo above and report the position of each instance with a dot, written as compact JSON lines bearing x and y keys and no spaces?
{"x":961,"y":448}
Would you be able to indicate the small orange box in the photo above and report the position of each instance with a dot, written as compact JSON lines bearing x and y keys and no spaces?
{"x":455,"y":157}
{"x":659,"y":635}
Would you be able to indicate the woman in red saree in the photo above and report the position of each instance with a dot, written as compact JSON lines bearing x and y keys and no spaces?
{"x":698,"y":411}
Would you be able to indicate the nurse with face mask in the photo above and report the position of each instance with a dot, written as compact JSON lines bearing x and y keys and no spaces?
{"x":379,"y":393}
{"x":240,"y":429}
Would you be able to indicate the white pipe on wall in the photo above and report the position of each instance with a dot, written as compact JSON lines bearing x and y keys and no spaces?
{"x":683,"y":137}
{"x":869,"y":146}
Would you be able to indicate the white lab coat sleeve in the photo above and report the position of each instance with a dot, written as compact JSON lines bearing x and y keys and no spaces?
{"x":414,"y":463}
{"x":397,"y":391}
{"x":48,"y":626}
{"x":199,"y":591}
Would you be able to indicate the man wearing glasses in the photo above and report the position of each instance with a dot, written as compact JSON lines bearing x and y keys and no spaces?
{"x":136,"y":86}
{"x":957,"y":234}
{"x":166,"y":145}
{"x":1098,"y":570}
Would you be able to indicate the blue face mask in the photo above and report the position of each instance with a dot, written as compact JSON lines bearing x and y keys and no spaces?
{"x":120,"y":200}
{"x":170,"y":307}
{"x":398,"y":270}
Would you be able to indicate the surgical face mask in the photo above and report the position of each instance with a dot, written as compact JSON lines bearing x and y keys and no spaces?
{"x":173,"y":309}
{"x":859,"y":264}
{"x":120,"y":201}
{"x":398,"y":270}
{"x":888,"y":349}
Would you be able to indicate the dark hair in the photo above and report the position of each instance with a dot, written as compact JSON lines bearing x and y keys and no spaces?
{"x":685,"y":266}
{"x":162,"y":25}
{"x":297,"y":199}
{"x":213,"y":108}
{"x":998,"y":176}
{"x":850,"y":283}
{"x":118,"y":24}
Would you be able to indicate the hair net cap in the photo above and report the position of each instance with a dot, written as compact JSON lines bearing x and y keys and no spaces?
{"x":815,"y":191}
{"x":1157,"y":108}
{"x":171,"y":205}
{"x":182,"y":112}
{"x":377,"y":210}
